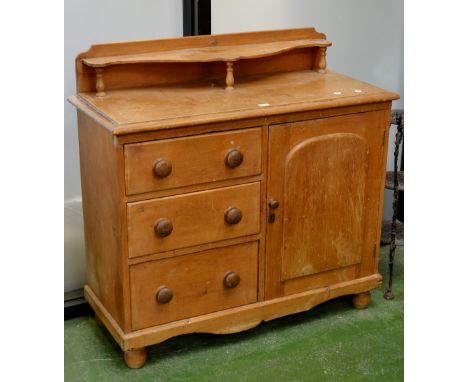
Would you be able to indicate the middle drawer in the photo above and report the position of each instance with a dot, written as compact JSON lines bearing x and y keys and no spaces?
{"x":180,"y":221}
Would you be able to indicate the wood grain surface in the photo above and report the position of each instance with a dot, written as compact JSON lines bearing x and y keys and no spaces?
{"x":197,"y":218}
{"x":145,"y":75}
{"x":194,"y":160}
{"x":189,"y":188}
{"x":209,"y":102}
{"x":235,"y":319}
{"x":102,"y":206}
{"x":197,"y":284}
{"x":208,"y":54}
{"x":329,"y":197}
{"x":323,"y":220}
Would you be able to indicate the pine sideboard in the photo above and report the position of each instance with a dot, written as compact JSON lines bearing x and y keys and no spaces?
{"x":226,"y":180}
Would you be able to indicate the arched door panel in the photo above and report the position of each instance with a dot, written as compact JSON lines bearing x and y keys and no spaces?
{"x":324,"y":201}
{"x":327,"y":178}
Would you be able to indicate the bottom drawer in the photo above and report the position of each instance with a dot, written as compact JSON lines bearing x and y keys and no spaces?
{"x":190,"y":285}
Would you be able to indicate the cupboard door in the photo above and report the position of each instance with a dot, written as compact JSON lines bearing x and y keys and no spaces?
{"x":326,"y":176}
{"x":323,"y":199}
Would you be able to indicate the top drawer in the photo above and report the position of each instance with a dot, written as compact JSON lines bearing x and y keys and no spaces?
{"x":178,"y":162}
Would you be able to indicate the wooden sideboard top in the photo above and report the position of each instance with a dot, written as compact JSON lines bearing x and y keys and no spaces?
{"x":161,"y":84}
{"x":144,"y":109}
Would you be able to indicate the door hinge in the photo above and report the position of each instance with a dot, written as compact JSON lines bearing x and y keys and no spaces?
{"x":383,"y":138}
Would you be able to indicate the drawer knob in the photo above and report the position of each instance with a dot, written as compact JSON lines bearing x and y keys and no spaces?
{"x":233,"y":158}
{"x":231,"y":280}
{"x":164,"y":295}
{"x":162,"y":168}
{"x":273,"y":204}
{"x":163,"y":227}
{"x":233,"y":215}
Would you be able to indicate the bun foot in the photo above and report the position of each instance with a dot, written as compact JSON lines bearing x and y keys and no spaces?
{"x":361,"y":300}
{"x":135,"y":358}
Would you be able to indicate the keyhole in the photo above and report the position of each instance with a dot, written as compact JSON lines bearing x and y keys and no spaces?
{"x":271,"y":217}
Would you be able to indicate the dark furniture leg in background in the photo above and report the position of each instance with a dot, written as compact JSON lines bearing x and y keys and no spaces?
{"x":401,"y":194}
{"x":397,"y":186}
{"x":197,"y":17}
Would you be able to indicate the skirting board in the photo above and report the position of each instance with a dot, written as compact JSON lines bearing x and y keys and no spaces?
{"x":230,"y":320}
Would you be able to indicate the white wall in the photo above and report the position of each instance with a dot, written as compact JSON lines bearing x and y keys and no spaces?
{"x":90,"y":22}
{"x":367,"y":37}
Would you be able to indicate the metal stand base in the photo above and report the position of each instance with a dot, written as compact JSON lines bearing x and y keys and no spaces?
{"x":389,"y":295}
{"x":397,"y":119}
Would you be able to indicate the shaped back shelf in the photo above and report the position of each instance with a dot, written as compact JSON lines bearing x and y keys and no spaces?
{"x":200,"y":58}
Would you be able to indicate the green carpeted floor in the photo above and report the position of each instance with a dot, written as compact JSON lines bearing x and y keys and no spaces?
{"x":331,"y":342}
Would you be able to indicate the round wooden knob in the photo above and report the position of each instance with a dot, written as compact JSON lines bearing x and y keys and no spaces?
{"x":162,"y":168}
{"x":273,"y":204}
{"x":233,"y":158}
{"x":231,"y":280}
{"x":163,"y":227}
{"x":233,"y":215}
{"x":164,"y":295}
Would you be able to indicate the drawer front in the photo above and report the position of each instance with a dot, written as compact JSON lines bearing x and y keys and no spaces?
{"x":191,"y":285}
{"x":164,"y":224}
{"x":178,"y":162}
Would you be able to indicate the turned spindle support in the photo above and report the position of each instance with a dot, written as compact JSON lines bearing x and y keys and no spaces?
{"x":322,"y":64}
{"x":229,"y":76}
{"x":99,"y":82}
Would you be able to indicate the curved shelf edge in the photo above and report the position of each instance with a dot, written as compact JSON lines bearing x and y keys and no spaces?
{"x":226,"y":53}
{"x":234,"y":319}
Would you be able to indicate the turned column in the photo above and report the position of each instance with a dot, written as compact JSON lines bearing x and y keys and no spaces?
{"x":322,"y":63}
{"x":99,"y":82}
{"x":229,"y":76}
